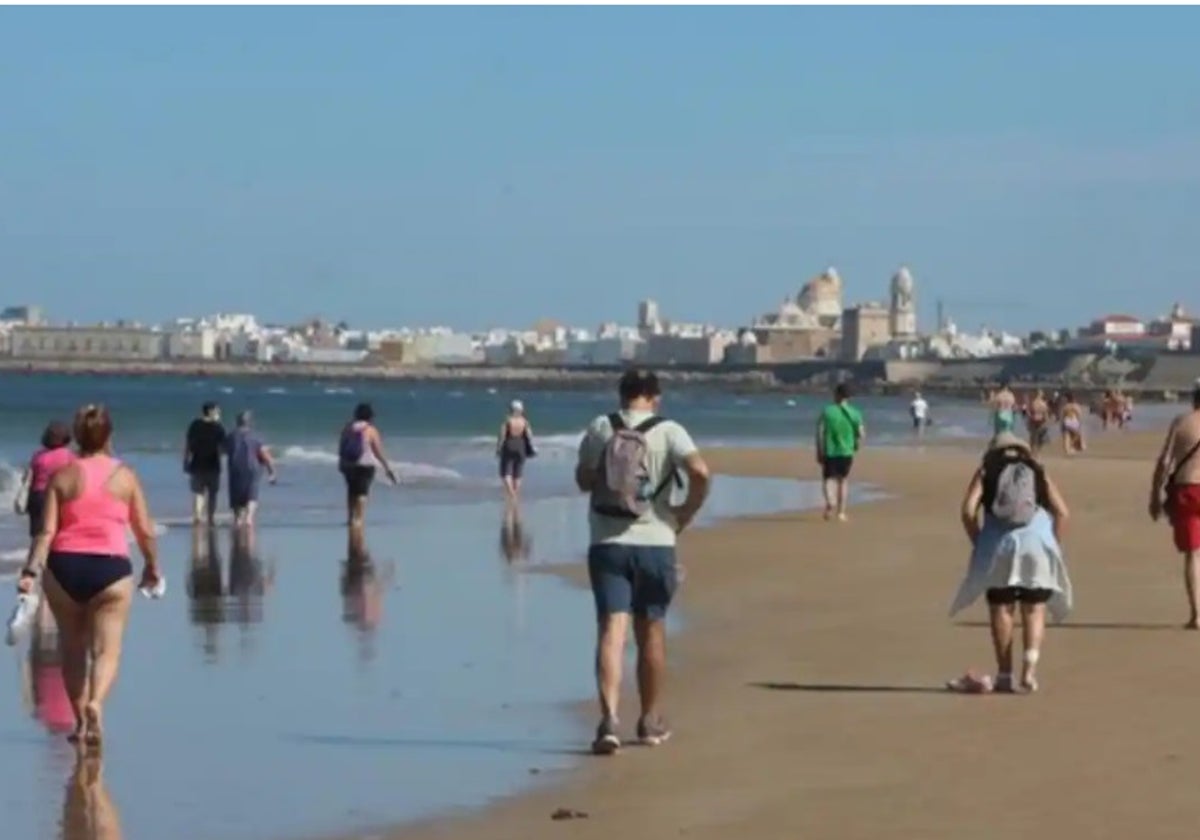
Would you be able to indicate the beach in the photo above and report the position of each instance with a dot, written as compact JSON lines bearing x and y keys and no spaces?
{"x":806,"y":691}
{"x":443,"y":692}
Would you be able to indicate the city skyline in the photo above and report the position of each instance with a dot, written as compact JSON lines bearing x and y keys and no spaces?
{"x":482,"y":167}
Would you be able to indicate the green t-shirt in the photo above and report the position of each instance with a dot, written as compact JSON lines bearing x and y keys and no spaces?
{"x":842,"y":424}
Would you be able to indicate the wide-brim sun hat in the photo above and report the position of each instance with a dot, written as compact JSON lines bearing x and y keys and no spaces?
{"x":1007,"y":440}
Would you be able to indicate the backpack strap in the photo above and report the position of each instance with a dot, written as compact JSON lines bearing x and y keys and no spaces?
{"x":616,"y":421}
{"x":647,"y":425}
{"x":1182,"y":463}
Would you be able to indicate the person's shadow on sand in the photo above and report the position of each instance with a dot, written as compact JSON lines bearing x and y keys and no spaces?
{"x":89,"y":813}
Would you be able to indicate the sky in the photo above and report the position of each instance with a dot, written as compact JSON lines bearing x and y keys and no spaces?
{"x":476,"y":167}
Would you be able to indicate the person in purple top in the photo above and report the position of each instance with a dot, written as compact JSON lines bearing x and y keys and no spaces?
{"x":248,"y":456}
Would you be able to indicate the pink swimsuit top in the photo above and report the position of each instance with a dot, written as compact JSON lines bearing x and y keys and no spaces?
{"x":45,"y":463}
{"x":95,"y":522}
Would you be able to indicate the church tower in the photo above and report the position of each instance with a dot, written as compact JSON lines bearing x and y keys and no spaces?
{"x":903,"y":310}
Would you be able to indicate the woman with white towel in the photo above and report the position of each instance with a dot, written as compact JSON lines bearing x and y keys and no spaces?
{"x":1014,"y":516}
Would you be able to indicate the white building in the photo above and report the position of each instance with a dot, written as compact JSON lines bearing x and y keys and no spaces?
{"x":192,"y":343}
{"x":609,"y":351}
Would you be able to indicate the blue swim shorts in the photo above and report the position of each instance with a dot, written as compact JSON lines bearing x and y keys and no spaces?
{"x":637,"y":579}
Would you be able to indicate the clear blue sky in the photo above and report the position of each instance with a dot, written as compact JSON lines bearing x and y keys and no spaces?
{"x":490,"y":166}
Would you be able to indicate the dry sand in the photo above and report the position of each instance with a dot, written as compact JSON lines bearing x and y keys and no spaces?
{"x":806,"y":691}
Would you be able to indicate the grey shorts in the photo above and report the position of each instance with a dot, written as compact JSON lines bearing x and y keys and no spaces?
{"x":637,"y":579}
{"x":206,"y":483}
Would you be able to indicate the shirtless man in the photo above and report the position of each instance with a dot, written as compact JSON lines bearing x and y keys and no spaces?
{"x":1126,"y":410}
{"x":1175,"y":491}
{"x":1037,"y":418}
{"x":1072,"y":425}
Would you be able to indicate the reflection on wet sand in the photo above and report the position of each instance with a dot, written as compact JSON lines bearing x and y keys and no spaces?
{"x":215,"y":602}
{"x":249,"y":582}
{"x":45,"y":691}
{"x":362,"y":587}
{"x":88,"y":811}
{"x":516,"y":543}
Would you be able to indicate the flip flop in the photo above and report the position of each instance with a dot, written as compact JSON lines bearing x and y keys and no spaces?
{"x":970,"y":683}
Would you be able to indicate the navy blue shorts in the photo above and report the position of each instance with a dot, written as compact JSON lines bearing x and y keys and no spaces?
{"x":637,"y":579}
{"x":84,"y":576}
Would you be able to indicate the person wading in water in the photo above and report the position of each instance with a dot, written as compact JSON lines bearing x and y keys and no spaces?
{"x":514,"y":446}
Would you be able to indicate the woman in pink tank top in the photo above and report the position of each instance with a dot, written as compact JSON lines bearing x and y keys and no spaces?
{"x":54,"y":455}
{"x":89,"y":580}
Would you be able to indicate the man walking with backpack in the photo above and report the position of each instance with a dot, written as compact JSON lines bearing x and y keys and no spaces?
{"x":840,"y":432}
{"x":1175,"y":491}
{"x":629,"y":462}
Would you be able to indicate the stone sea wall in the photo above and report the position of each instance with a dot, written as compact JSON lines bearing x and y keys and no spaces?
{"x":1153,"y":376}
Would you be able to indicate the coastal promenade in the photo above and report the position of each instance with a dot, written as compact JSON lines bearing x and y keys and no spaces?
{"x":806,"y":690}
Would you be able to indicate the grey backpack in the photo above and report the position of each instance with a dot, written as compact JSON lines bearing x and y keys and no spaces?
{"x":622,"y":489}
{"x":1016,"y":496}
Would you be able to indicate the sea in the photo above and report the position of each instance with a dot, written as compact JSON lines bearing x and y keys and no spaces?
{"x":275,"y":692}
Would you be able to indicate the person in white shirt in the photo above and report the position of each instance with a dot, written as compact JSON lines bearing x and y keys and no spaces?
{"x":919,"y":409}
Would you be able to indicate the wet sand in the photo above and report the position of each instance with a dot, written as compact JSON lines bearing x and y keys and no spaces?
{"x":806,"y":690}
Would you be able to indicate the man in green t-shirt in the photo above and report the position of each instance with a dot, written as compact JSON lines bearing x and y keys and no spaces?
{"x":840,"y":432}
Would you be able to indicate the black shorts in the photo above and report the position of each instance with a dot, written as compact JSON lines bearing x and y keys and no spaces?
{"x":1018,"y":594}
{"x":35,"y":509}
{"x":358,"y":480}
{"x":205,"y":482}
{"x":838,"y":467}
{"x":511,"y":466}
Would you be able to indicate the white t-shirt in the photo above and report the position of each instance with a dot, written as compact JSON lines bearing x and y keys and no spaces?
{"x":668,"y":444}
{"x":920,"y":408}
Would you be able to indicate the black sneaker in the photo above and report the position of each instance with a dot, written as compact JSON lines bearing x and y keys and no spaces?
{"x":652,"y":732}
{"x":606,"y":742}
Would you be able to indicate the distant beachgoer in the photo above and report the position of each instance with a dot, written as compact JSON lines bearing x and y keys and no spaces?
{"x":513,"y":447}
{"x":1014,"y":516}
{"x":90,"y":504}
{"x":1109,"y":410}
{"x":1125,"y":410}
{"x":1004,"y":409}
{"x":919,"y":409}
{"x":628,"y":462}
{"x":1037,"y":420}
{"x":54,"y":455}
{"x":1072,"y":425}
{"x":1175,"y":491}
{"x":247,"y":456}
{"x":360,"y":452}
{"x":1056,"y":407}
{"x":202,"y":461}
{"x":840,"y":433}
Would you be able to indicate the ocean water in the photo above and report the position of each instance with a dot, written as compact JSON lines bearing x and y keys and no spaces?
{"x":277,"y":691}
